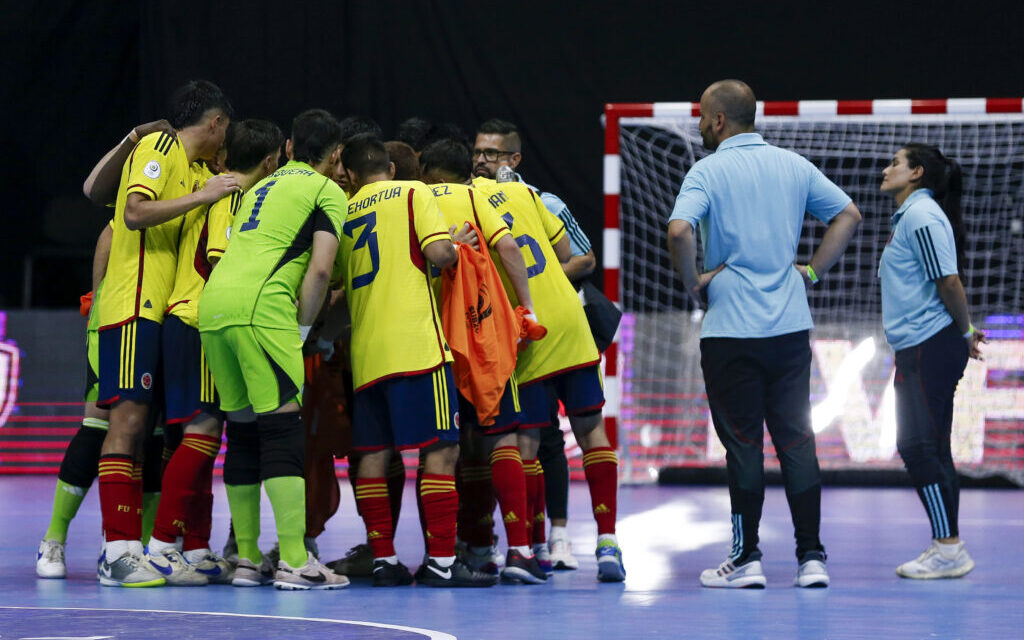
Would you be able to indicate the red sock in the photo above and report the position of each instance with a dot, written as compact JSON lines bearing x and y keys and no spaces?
{"x":541,"y":507}
{"x":200,"y":513}
{"x":419,"y":502}
{"x":396,"y":485}
{"x":372,"y":498}
{"x":602,"y":470}
{"x":120,"y":503}
{"x":137,"y":491}
{"x":181,"y":482}
{"x":509,"y":481}
{"x":440,"y":502}
{"x":530,"y":467}
{"x":476,"y":504}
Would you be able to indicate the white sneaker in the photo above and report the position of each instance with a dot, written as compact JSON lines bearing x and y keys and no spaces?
{"x":248,"y":574}
{"x":50,"y":560}
{"x":729,"y":576}
{"x":216,"y":569}
{"x":561,"y":554}
{"x":543,"y":555}
{"x":181,"y":574}
{"x":935,"y":563}
{"x":311,"y":575}
{"x":130,"y":570}
{"x":811,"y":573}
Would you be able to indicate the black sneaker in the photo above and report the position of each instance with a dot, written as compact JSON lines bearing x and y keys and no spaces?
{"x":522,"y":569}
{"x":386,"y":574}
{"x":457,"y":575}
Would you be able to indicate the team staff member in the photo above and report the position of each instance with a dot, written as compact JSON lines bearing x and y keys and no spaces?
{"x":161,"y":181}
{"x":401,"y":363}
{"x":282,"y":251}
{"x":252,"y":150}
{"x":924,"y":310}
{"x":749,"y":199}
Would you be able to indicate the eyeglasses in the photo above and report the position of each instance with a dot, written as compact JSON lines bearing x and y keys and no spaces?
{"x":490,"y":155}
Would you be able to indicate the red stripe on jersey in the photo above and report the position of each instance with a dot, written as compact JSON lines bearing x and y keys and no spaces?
{"x":201,"y":264}
{"x":142,"y":186}
{"x":854,"y":107}
{"x":415,"y":252}
{"x":167,"y":312}
{"x":427,"y":241}
{"x":781,"y":108}
{"x":495,"y":234}
{"x":142,"y":263}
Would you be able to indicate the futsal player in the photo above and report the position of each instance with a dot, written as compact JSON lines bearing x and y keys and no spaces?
{"x":161,"y":181}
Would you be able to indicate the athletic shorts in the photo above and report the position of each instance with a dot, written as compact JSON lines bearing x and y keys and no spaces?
{"x":129,"y":362}
{"x":255,"y":366}
{"x":580,"y":390}
{"x":92,"y":366}
{"x":188,"y":384}
{"x":406,"y":412}
{"x":508,"y":417}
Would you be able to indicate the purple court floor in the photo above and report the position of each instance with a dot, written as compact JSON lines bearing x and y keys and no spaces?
{"x":668,"y":535}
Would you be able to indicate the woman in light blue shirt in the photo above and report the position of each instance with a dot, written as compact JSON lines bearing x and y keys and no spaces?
{"x":924,"y":310}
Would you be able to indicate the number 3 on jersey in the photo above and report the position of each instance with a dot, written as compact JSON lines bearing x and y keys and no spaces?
{"x":368,"y":238}
{"x":261,"y":195}
{"x":539,"y":261}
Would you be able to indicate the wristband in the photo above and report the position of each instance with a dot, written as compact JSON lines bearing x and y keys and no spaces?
{"x":970,"y":332}
{"x":811,"y":275}
{"x":304,"y":331}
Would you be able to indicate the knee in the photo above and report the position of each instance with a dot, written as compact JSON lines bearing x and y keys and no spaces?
{"x":81,"y":459}
{"x":242,"y":460}
{"x":282,"y":445}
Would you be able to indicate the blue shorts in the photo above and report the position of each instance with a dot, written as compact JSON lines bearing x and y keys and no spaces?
{"x":407,"y":412}
{"x":580,"y":390}
{"x":508,"y":417}
{"x":188,"y":383}
{"x":129,"y":362}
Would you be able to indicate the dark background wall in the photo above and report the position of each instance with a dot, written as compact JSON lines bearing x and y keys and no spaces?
{"x":78,"y":75}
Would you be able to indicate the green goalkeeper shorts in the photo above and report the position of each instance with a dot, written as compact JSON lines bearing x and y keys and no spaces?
{"x":255,"y":366}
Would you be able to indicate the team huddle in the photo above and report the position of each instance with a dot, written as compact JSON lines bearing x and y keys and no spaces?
{"x":362,"y":299}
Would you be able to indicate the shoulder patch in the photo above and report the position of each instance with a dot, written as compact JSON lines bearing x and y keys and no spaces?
{"x":152,"y":169}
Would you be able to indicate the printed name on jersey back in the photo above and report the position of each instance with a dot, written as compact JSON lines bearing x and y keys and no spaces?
{"x":378,"y":197}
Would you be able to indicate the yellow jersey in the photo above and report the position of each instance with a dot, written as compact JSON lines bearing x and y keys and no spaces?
{"x":140,"y":270}
{"x":396,"y":329}
{"x":569,"y":343}
{"x":203,"y":241}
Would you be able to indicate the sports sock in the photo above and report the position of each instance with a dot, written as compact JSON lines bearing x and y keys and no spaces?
{"x":182,"y":477}
{"x":287,"y":496}
{"x":419,"y":501}
{"x":396,"y":485}
{"x":601,"y":467}
{"x":440,"y":504}
{"x":244,"y":503}
{"x":509,"y":482}
{"x":530,"y":469}
{"x":540,"y":509}
{"x":119,"y":501}
{"x":372,"y":498}
{"x":66,"y":500}
{"x":476,"y":504}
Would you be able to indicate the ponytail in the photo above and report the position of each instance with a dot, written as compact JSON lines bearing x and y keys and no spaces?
{"x":945,"y":178}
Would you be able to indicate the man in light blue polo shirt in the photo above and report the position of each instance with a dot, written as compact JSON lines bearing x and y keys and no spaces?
{"x":749,"y":199}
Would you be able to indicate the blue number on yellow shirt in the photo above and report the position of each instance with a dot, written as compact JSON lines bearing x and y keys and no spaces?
{"x":261,"y":194}
{"x":526,"y":241}
{"x":368,"y":238}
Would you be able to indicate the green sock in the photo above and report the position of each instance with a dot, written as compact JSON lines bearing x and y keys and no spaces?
{"x":288,"y":497}
{"x":150,"y":501}
{"x":66,"y":500}
{"x":244,"y":502}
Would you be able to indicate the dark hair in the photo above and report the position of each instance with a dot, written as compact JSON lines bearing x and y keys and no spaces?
{"x":355,"y":125}
{"x":315,"y":134}
{"x":495,"y":125}
{"x":448,"y":155}
{"x":364,"y":155}
{"x":193,"y":99}
{"x":407,"y":165}
{"x":415,"y":132}
{"x":944,"y":177}
{"x":249,"y":141}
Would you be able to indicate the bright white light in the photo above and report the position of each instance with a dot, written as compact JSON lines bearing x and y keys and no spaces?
{"x":825,"y":413}
{"x":887,"y":412}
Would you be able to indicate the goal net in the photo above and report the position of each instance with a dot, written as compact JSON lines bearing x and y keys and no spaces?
{"x":663,"y":417}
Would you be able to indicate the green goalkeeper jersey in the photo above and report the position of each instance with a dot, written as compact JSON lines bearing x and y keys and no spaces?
{"x":258,"y":279}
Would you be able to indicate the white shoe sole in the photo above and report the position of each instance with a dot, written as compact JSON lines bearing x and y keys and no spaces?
{"x":958,"y":572}
{"x":813,"y":581}
{"x":58,"y":574}
{"x":291,"y":586}
{"x":520,"y":575}
{"x":565,"y":565}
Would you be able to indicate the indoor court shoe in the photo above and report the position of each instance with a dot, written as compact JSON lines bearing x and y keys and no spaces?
{"x":540,"y":551}
{"x":609,"y":562}
{"x":936,"y":562}
{"x":130,"y":570}
{"x":482,"y":559}
{"x":230,"y":551}
{"x":459,"y":574}
{"x":811,"y":574}
{"x":207,"y":563}
{"x":181,"y":574}
{"x":50,"y":560}
{"x":311,"y":575}
{"x":522,"y":569}
{"x":748,"y":575}
{"x":561,"y":554}
{"x":386,"y":574}
{"x":248,"y":574}
{"x":357,"y":563}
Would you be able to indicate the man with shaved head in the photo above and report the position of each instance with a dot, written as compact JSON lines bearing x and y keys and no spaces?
{"x":749,"y":199}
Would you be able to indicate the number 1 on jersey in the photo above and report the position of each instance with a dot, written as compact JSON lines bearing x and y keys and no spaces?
{"x":367,"y":238}
{"x":261,"y":195}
